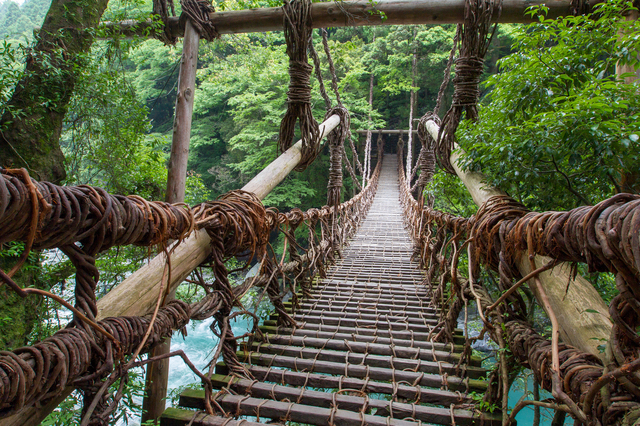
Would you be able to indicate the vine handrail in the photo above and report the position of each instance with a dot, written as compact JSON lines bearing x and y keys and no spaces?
{"x":237,"y":223}
{"x":604,"y":237}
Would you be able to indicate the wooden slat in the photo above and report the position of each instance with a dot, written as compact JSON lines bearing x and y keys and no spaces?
{"x":305,"y":414}
{"x":369,"y":348}
{"x":177,"y":417}
{"x":362,"y":338}
{"x":427,"y":366}
{"x":410,"y":393}
{"x":362,"y":371}
{"x":398,"y":410}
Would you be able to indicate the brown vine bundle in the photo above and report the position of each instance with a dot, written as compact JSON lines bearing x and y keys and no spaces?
{"x":96,"y":354}
{"x":475,"y":36}
{"x":604,"y":236}
{"x":297,"y":34}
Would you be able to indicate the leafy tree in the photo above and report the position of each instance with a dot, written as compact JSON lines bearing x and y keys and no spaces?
{"x":31,"y":121}
{"x":560,"y":128}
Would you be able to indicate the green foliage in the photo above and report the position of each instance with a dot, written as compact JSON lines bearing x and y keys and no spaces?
{"x":19,"y":21}
{"x":11,"y":70}
{"x":558,"y":117}
{"x":68,"y":412}
{"x":450,"y":195}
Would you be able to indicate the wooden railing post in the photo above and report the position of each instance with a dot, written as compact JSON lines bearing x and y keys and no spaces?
{"x":157,"y":379}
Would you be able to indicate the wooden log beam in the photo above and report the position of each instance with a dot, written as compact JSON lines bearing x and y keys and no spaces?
{"x":572,"y":300}
{"x":157,"y":378}
{"x":349,"y":14}
{"x":138,"y":293}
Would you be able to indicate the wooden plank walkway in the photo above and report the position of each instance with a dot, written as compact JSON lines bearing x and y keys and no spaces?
{"x":362,"y":353}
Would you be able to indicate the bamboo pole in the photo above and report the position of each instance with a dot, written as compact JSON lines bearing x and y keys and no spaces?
{"x":350,"y":13}
{"x":572,"y":300}
{"x":138,"y":293}
{"x":157,"y":378}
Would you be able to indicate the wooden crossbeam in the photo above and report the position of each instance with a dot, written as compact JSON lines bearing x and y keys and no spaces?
{"x":386,"y":132}
{"x":350,"y":14}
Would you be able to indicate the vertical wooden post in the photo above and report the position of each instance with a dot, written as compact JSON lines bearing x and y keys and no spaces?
{"x":412,"y":102}
{"x":367,"y":149}
{"x":153,"y":404}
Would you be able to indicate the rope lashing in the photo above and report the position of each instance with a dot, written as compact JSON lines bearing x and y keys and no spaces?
{"x":475,"y":37}
{"x":603,"y":236}
{"x":337,"y":149}
{"x":427,"y":156}
{"x":297,"y":34}
{"x":161,"y":8}
{"x":336,"y":141}
{"x":197,"y":11}
{"x":84,"y":220}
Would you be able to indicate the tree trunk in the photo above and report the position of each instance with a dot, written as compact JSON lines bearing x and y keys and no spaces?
{"x":630,"y":181}
{"x":31,"y":121}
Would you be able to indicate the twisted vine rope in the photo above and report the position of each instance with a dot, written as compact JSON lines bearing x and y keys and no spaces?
{"x":94,"y":355}
{"x":475,"y":36}
{"x":297,"y":34}
{"x":427,"y":157}
{"x":197,"y":11}
{"x":604,"y":236}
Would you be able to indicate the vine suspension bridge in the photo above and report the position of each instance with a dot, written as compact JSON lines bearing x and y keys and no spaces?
{"x":366,"y":332}
{"x":367,"y":293}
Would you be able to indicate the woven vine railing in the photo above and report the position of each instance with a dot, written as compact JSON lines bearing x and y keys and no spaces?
{"x":83,"y":221}
{"x":606,"y":237}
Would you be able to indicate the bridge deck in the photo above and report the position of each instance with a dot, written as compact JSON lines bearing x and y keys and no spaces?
{"x":362,"y":352}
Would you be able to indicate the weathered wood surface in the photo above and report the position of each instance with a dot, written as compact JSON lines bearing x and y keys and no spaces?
{"x":157,"y":377}
{"x":353,"y":14}
{"x":195,"y":399}
{"x":388,"y":350}
{"x":571,"y":299}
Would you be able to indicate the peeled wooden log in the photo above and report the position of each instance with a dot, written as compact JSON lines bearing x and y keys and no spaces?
{"x":349,"y":14}
{"x":137,"y":294}
{"x":573,"y":300}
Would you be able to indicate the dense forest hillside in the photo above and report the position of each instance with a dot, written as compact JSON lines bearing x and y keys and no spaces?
{"x":20,"y":20}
